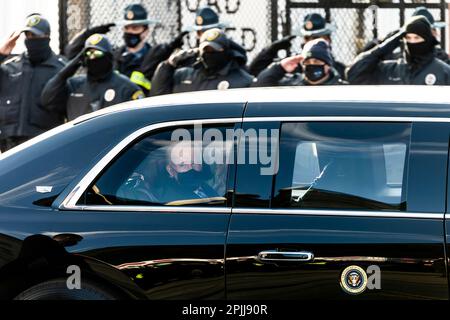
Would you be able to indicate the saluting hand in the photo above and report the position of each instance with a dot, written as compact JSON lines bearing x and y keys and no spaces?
{"x":282,"y":44}
{"x":290,"y":64}
{"x":178,"y":57}
{"x":103,"y":29}
{"x":10,"y":44}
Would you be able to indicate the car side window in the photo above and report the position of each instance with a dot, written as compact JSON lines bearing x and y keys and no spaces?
{"x":337,"y":165}
{"x":176,"y":167}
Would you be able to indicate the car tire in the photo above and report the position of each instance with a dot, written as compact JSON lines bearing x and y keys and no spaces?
{"x":57,"y":290}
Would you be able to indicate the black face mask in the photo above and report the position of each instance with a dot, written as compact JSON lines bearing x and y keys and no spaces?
{"x":132,"y":40}
{"x":315,"y":72}
{"x":38,"y":49}
{"x":214,"y":61}
{"x":416,"y":51}
{"x":192,"y":178}
{"x":99,"y":69}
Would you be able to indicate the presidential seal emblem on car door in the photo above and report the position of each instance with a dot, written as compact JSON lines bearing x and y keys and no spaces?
{"x":354,"y":280}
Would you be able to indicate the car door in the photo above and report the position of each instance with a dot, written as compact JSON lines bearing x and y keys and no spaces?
{"x":168,"y":242}
{"x":355,"y":211}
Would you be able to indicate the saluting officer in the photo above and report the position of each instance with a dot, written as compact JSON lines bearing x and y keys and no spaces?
{"x":137,"y":59}
{"x":439,"y":52}
{"x":22,"y":79}
{"x":314,"y":27}
{"x":419,"y":66}
{"x":220,"y":66}
{"x":205,"y":19}
{"x":316,"y":62}
{"x":100,"y":88}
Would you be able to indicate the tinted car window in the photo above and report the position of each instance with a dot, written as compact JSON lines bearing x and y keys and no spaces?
{"x":158,"y":170}
{"x":343,"y":166}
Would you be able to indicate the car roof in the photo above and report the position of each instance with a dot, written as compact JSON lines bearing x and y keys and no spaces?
{"x":432,"y":95}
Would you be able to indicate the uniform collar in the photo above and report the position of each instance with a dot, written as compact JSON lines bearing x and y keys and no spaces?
{"x":52,"y":60}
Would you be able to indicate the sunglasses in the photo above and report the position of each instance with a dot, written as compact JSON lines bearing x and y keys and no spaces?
{"x":94,"y":54}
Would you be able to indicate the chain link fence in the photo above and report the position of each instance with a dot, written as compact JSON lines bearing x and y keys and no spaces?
{"x":255,"y":23}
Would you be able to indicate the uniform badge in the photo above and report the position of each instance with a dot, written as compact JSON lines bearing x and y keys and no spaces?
{"x":33,"y":21}
{"x":309,"y":25}
{"x":130,"y":15}
{"x":199,"y":20}
{"x":95,"y":39}
{"x":430,"y":79}
{"x":354,"y":280}
{"x":211,"y":35}
{"x":224,"y":85}
{"x":110,"y":94}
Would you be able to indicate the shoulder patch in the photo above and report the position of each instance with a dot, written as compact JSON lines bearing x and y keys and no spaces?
{"x":138,"y":95}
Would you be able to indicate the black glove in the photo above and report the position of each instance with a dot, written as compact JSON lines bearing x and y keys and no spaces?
{"x":178,"y":41}
{"x":180,"y":56}
{"x":72,"y":67}
{"x":103,"y":29}
{"x":391,"y":43}
{"x":283,"y":44}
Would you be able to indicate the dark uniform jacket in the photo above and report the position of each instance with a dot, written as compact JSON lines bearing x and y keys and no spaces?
{"x":168,"y":80}
{"x":162,"y":191}
{"x":21,"y":84}
{"x":79,"y":95}
{"x":146,"y":63}
{"x":138,"y":67}
{"x":370,"y":68}
{"x":275,"y":75}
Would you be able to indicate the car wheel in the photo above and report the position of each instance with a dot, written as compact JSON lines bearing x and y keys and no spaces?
{"x":57,"y":290}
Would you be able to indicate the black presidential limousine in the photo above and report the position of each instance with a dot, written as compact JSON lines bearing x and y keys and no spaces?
{"x":298,"y":193}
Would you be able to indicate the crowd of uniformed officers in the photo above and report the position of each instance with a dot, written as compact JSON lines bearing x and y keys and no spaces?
{"x":40,"y":90}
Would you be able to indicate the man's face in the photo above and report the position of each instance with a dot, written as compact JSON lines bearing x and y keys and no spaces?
{"x":31,"y":35}
{"x":316,"y":62}
{"x":413,"y":38}
{"x":182,"y":159}
{"x":134,"y":29}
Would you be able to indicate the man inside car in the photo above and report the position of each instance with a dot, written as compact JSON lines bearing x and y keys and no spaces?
{"x":177,"y":181}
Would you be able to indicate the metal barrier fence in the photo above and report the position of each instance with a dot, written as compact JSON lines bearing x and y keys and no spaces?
{"x":255,"y":23}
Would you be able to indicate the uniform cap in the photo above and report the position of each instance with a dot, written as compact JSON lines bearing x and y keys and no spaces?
{"x":206,"y":18}
{"x":318,"y":49}
{"x":37,"y":25}
{"x":215,"y":38}
{"x":136,"y":14}
{"x":423,"y":11}
{"x":315,"y":25}
{"x":99,"y":42}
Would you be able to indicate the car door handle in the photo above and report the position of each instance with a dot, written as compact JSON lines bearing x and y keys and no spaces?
{"x":280,"y":256}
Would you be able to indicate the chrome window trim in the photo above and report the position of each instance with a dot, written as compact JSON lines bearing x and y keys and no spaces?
{"x":161,"y":209}
{"x":70,"y":202}
{"x":345,"y":118}
{"x":340,"y":213}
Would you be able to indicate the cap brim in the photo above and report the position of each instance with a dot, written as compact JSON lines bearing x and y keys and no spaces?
{"x":318,"y":33}
{"x":219,"y":25}
{"x":439,"y":25}
{"x":34,"y":31}
{"x":213,"y":45}
{"x":146,"y":22}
